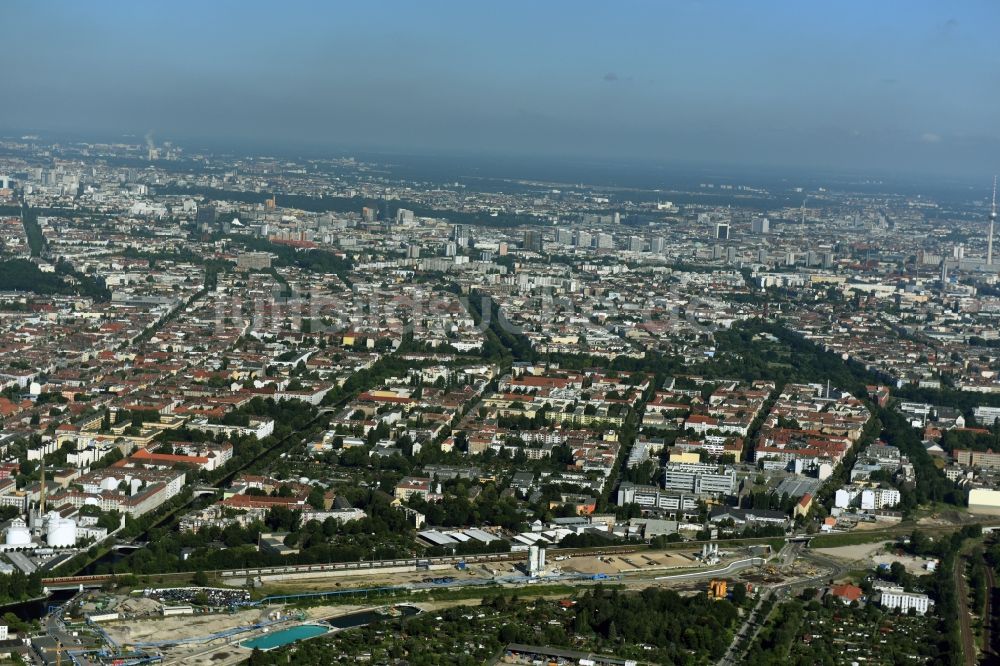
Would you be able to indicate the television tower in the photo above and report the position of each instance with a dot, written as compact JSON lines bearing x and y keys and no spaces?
{"x":993,"y":219}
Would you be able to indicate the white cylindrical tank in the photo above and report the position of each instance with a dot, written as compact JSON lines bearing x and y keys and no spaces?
{"x":18,"y":534}
{"x":61,"y":532}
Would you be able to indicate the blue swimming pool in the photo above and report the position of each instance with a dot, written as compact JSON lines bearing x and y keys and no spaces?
{"x":285,"y":636}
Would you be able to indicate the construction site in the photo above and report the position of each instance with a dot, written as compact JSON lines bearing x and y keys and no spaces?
{"x":220,"y":625}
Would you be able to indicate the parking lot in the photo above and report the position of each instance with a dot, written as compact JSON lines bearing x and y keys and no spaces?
{"x":208,"y":596}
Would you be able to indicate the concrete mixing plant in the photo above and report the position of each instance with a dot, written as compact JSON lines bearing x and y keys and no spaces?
{"x":536,"y":561}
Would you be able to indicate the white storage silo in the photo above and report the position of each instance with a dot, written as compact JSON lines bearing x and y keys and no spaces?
{"x":60,"y":532}
{"x":18,"y":534}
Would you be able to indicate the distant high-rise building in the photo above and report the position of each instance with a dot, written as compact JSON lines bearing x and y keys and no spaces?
{"x":450,"y":249}
{"x":731,"y":254}
{"x":413,"y":252}
{"x":404,"y":216}
{"x":828,"y":260}
{"x":762,"y":256}
{"x":722,"y":231}
{"x":717,"y":251}
{"x":502,"y":249}
{"x":564,"y":236}
{"x":617,"y":218}
{"x":605,"y":241}
{"x":657,"y":244}
{"x":583,"y":239}
{"x":635,"y":244}
{"x":533,"y":240}
{"x":369,"y":214}
{"x":206,"y":215}
{"x":760,"y":225}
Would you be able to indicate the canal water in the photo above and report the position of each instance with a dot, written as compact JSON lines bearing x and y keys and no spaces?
{"x":36,"y":609}
{"x":285,"y":636}
{"x":303,"y":631}
{"x":362,"y":618}
{"x":103,"y":564}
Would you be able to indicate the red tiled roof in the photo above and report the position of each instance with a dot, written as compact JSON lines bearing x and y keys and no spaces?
{"x":847,"y":591}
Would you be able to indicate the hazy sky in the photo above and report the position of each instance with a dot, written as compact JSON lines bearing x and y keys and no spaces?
{"x":868,"y":84}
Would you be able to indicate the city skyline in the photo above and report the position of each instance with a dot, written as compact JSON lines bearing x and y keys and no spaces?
{"x":679,"y":83}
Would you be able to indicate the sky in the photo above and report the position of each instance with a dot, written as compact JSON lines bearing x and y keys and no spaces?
{"x":861,"y":85}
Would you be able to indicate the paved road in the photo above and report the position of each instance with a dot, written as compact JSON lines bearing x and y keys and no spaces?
{"x":831,"y":570}
{"x":789,"y":553}
{"x":732,"y":567}
{"x":751,"y":622}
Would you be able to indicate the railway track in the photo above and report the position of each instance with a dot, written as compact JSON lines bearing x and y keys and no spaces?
{"x":344,"y":566}
{"x":988,"y":626}
{"x":964,"y":621}
{"x":873,"y":535}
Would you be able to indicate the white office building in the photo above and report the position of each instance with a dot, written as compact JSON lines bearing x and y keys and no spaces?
{"x":869,"y":499}
{"x":986,"y":416}
{"x":894,"y":597}
{"x":879,"y":498}
{"x":699,"y":479}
